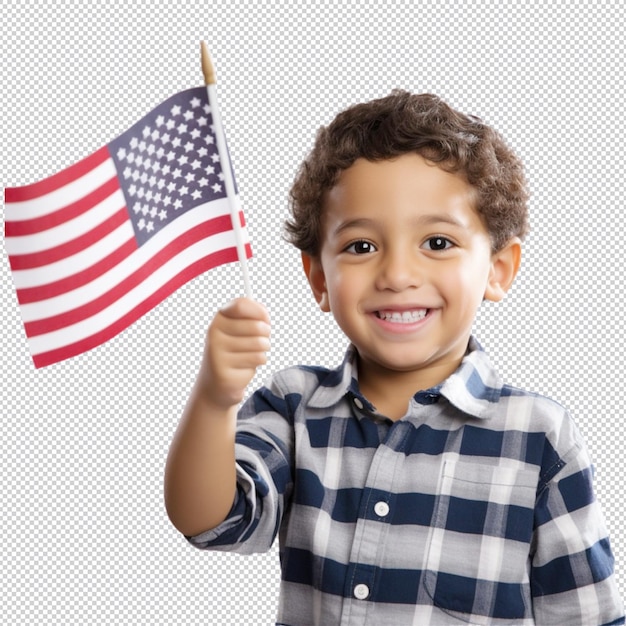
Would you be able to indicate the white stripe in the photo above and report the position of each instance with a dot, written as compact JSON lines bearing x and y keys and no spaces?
{"x":59,"y":198}
{"x":68,"y":231}
{"x":106,"y":317}
{"x":87,"y":293}
{"x":68,"y":266}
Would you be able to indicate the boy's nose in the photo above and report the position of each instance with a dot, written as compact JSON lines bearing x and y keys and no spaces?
{"x":399,"y":271}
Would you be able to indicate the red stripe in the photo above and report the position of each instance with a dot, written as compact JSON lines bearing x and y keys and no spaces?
{"x":29,"y":295}
{"x":56,"y":181}
{"x":20,"y":228}
{"x":56,"y":322}
{"x":227,"y":255}
{"x":69,"y":248}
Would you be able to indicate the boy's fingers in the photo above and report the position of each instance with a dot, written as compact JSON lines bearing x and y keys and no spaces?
{"x":246,"y":308}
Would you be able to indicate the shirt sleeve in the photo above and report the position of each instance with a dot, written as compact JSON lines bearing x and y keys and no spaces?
{"x":572,"y":575}
{"x":263,"y":453}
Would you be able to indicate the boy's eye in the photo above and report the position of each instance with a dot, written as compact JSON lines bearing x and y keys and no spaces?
{"x":438,"y":243}
{"x":361,"y":247}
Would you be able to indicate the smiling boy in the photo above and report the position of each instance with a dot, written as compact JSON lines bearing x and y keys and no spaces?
{"x":410,"y":485}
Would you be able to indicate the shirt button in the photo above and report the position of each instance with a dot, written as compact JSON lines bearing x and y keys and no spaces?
{"x":361,"y":592}
{"x":357,"y":403}
{"x":381,"y":509}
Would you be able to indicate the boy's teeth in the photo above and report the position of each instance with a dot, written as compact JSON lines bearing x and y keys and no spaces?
{"x":404,"y":317}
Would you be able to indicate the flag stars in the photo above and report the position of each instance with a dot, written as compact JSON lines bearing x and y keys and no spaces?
{"x":170,"y":163}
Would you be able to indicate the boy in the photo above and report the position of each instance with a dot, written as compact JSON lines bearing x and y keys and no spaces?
{"x":410,"y":485}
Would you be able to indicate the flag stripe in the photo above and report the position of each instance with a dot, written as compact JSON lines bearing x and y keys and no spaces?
{"x":37,"y":259}
{"x":227,"y":255}
{"x":73,"y":210}
{"x":129,"y":302}
{"x":78,"y":314}
{"x":102,"y":284}
{"x":66,"y":231}
{"x":43,"y":275}
{"x":61,"y":181}
{"x":57,"y":288}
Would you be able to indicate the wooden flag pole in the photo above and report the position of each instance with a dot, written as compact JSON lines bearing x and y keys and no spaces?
{"x":233,"y":198}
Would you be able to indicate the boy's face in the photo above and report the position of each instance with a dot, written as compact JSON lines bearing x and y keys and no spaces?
{"x":405,"y":262}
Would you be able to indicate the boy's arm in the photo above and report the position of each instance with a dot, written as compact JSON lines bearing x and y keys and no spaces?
{"x":572,"y":575}
{"x":200,"y":480}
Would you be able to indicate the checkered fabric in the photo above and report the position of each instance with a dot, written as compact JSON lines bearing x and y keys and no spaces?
{"x":477,"y":506}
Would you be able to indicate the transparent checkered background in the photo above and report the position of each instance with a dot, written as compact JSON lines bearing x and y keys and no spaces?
{"x":84,"y":538}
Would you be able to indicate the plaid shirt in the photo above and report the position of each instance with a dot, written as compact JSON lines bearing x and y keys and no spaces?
{"x":476,"y":507}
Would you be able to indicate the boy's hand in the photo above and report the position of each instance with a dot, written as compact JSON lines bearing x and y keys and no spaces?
{"x":237,"y":341}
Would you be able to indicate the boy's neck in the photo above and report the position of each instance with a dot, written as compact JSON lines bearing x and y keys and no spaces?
{"x":390,"y":390}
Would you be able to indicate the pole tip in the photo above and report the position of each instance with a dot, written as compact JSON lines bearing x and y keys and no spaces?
{"x":207,"y":66}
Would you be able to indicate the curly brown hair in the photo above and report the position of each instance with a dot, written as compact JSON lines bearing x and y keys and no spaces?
{"x":402,"y":123}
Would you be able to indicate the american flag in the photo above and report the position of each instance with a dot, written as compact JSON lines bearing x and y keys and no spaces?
{"x":98,"y":245}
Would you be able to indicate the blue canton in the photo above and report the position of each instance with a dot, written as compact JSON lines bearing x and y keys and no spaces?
{"x":476,"y":507}
{"x":168,"y":162}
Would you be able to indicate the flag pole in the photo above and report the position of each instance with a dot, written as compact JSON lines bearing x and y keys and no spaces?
{"x":235,"y":206}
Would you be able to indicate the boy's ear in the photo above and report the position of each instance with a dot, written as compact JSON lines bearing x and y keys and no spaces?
{"x":315,"y":275}
{"x":504,"y":267}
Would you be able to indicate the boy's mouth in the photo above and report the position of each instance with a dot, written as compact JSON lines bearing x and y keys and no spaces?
{"x":402,"y":317}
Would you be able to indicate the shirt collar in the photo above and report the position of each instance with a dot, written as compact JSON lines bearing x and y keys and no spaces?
{"x":474,"y":388}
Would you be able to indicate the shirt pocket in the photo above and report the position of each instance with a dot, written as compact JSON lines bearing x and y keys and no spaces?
{"x":478,"y":553}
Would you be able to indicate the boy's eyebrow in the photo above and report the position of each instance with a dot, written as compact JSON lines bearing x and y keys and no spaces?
{"x":423,"y":220}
